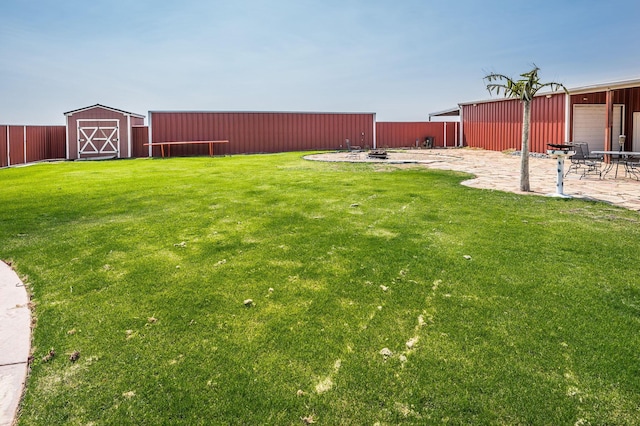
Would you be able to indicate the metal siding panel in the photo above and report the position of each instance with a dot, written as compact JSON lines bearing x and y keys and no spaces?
{"x":404,"y":134}
{"x":267,"y":137}
{"x":16,"y":145}
{"x":289,"y":132}
{"x":294,"y":132}
{"x":279,"y":126}
{"x":257,"y":134}
{"x":284,"y":124}
{"x":298,"y":130}
{"x":235,"y":138}
{"x":324,"y":131}
{"x":226,"y":134}
{"x":245,"y":131}
{"x":3,"y":146}
{"x":262,"y":132}
{"x":311,"y":131}
{"x":37,"y":146}
{"x":271,"y":133}
{"x":335,"y":127}
{"x":242,"y":121}
{"x":255,"y":127}
{"x":139,"y":136}
{"x":57,"y":140}
{"x":285,"y":134}
{"x":305,"y":128}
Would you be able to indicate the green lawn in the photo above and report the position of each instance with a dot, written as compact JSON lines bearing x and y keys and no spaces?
{"x":497,"y":308}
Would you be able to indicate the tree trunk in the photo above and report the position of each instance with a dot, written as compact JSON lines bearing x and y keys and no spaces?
{"x":524,"y":159}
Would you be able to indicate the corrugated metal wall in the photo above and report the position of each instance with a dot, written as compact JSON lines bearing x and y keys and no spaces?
{"x":46,"y":143}
{"x":24,"y":144}
{"x":497,"y":125}
{"x":17,"y":145}
{"x":139,"y":136}
{"x":3,"y":146}
{"x":405,"y":134}
{"x":261,"y":132}
{"x":629,"y":97}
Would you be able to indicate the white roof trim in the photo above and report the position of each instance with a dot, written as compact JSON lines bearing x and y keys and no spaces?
{"x":132,"y":114}
{"x":446,"y":111}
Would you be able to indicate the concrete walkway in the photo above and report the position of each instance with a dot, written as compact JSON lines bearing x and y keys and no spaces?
{"x":501,"y":171}
{"x":15,"y":342}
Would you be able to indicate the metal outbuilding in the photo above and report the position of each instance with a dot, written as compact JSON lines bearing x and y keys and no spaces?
{"x":260,"y":132}
{"x":596,"y":114}
{"x":99,"y":131}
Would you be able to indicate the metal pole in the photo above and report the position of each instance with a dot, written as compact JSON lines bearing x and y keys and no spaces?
{"x":559,"y":181}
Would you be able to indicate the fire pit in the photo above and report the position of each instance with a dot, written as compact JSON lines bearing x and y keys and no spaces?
{"x":560,"y":151}
{"x":559,"y":147}
{"x":378,"y":153}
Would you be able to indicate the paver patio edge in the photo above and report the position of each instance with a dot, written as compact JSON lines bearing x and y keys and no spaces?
{"x":500,"y":171}
{"x":15,"y":342}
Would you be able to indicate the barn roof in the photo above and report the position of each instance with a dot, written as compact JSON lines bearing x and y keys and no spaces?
{"x":133,"y":114}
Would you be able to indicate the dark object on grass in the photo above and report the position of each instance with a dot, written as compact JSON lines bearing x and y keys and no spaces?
{"x":49,"y":356}
{"x":74,"y":356}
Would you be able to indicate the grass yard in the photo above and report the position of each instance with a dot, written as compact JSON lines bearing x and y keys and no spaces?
{"x":491,"y":308}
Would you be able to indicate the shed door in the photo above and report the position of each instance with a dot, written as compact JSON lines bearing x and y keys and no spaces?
{"x":98,"y":137}
{"x":589,"y":122}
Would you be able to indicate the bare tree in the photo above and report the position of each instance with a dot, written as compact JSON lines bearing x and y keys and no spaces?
{"x":524,"y":89}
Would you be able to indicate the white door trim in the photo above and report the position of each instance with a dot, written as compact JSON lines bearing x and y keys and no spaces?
{"x":636,"y":131}
{"x":100,"y":138}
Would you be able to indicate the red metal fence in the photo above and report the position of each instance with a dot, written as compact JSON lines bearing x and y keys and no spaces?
{"x":413,"y":134}
{"x":139,"y":137}
{"x":26,"y":144}
{"x":248,"y":132}
{"x":261,"y":132}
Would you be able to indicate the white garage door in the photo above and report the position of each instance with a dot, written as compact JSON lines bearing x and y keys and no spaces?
{"x":589,"y":123}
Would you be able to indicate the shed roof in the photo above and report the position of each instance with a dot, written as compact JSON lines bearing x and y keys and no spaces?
{"x":133,"y":114}
{"x":451,"y":112}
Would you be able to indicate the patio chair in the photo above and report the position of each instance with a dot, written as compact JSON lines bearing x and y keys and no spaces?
{"x":632,"y":167}
{"x":588,"y":155}
{"x":585,"y":162}
{"x":352,"y":148}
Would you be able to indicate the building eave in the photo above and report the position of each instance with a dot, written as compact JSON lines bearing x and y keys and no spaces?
{"x":132,"y":114}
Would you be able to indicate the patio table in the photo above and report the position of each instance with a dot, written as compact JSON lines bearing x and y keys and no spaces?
{"x":620,"y":156}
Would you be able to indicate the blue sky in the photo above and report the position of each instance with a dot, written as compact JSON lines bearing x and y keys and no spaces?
{"x":400,"y":59}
